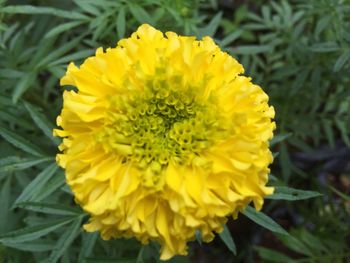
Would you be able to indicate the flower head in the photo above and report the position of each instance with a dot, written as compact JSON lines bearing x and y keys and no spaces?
{"x":162,"y":137}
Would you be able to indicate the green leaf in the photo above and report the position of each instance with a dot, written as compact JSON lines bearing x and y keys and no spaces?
{"x":33,"y":232}
{"x":255,"y":26}
{"x":287,"y":12}
{"x":42,"y":122}
{"x":25,"y":82}
{"x":20,"y":142}
{"x":65,"y":188}
{"x":285,"y":162}
{"x":321,"y":25}
{"x":104,"y":259}
{"x":34,"y":10}
{"x":300,"y":144}
{"x":340,"y":194}
{"x":341,"y":61}
{"x":57,"y":53}
{"x":37,"y":184}
{"x":266,"y":13}
{"x":14,"y":163}
{"x":272,"y":255}
{"x":251,"y":49}
{"x":328,"y":129}
{"x":285,"y":72}
{"x":199,"y":237}
{"x":272,"y":177}
{"x":294,"y":244}
{"x":279,"y":138}
{"x":48,"y":208}
{"x":5,"y":195}
{"x":158,"y":14}
{"x":46,"y":47}
{"x":139,"y":258}
{"x":100,"y":26}
{"x":226,"y":237}
{"x":55,"y":183}
{"x":33,"y":245}
{"x":212,"y":26}
{"x":312,"y":242}
{"x":299,"y":81}
{"x":230,"y":38}
{"x":342,"y":126}
{"x":72,"y":57}
{"x":62,"y":28}
{"x":121,"y":23}
{"x":291,"y":194}
{"x":56,"y":71}
{"x":87,"y":7}
{"x":88,"y":243}
{"x":174,"y":14}
{"x":325,"y":47}
{"x":10,"y":73}
{"x":263,"y":220}
{"x":65,"y":240}
{"x":297,"y":16}
{"x":139,"y":13}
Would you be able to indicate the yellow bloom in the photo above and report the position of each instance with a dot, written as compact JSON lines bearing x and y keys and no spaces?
{"x":163,"y":136}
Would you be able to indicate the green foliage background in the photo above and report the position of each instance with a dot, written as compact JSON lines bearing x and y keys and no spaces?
{"x":298,"y":51}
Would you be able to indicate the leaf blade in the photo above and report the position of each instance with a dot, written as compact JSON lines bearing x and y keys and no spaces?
{"x":42,"y":122}
{"x":292,"y":194}
{"x":20,"y":143}
{"x":226,"y":237}
{"x":50,"y":208}
{"x":14,"y":163}
{"x":121,"y":25}
{"x":212,"y":26}
{"x":36,"y":185}
{"x":88,"y":243}
{"x":65,"y":240}
{"x":272,"y":255}
{"x":341,"y":61}
{"x":25,"y":82}
{"x":251,"y":49}
{"x":32,"y":232}
{"x":54,"y":184}
{"x":263,"y":220}
{"x":279,"y":138}
{"x":139,"y":13}
{"x":62,"y":28}
{"x":35,"y":10}
{"x":33,"y":245}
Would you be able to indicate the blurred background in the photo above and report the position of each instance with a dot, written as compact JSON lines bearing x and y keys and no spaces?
{"x":298,"y":51}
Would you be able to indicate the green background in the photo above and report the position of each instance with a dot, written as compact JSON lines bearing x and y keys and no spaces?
{"x":298,"y":51}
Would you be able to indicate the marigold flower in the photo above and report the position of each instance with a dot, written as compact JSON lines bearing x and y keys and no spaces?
{"x":163,"y":136}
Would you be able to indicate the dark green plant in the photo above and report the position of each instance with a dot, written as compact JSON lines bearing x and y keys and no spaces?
{"x":299,"y":51}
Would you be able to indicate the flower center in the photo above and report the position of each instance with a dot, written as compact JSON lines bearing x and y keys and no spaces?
{"x":164,"y":121}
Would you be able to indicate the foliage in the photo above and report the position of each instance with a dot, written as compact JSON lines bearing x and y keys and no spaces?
{"x":299,"y":51}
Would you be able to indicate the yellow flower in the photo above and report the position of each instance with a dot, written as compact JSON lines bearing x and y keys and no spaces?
{"x":163,"y":136}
